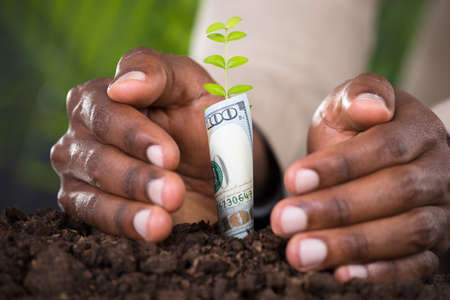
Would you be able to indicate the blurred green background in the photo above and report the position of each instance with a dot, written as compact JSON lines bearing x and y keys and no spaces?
{"x":49,"y":46}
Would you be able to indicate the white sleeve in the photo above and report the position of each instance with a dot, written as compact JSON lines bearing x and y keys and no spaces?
{"x":298,"y":50}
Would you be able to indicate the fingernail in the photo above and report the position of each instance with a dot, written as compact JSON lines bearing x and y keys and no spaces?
{"x":155,"y":189}
{"x":371,"y":97}
{"x":141,"y":221}
{"x":306,"y":180}
{"x":293,"y":219}
{"x":312,"y":252}
{"x":357,"y":271}
{"x":155,"y":156}
{"x":133,"y":75}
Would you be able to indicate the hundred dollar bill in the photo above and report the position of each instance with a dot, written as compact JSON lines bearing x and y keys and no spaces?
{"x":230,"y":137}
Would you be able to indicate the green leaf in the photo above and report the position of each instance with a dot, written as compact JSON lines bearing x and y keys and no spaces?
{"x":215,"y":89}
{"x":251,"y":106}
{"x":239,"y":89}
{"x":236,"y":61}
{"x":215,"y":26}
{"x":217,"y":37}
{"x":215,"y":60}
{"x":236,"y":35}
{"x":232,"y":22}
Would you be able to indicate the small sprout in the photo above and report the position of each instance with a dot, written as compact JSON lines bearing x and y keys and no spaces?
{"x":223,"y":61}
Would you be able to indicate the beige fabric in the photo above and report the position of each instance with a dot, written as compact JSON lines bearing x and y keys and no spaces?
{"x":427,"y":71}
{"x":442,"y":110}
{"x":299,"y":50}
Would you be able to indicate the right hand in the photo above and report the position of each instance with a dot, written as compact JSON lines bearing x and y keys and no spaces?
{"x":136,"y":148}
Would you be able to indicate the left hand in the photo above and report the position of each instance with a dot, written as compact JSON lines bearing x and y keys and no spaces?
{"x":373,"y":198}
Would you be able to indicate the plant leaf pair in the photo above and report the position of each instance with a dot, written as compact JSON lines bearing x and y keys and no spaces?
{"x":220,"y":38}
{"x":217,"y":89}
{"x":219,"y":61}
{"x":232,"y":22}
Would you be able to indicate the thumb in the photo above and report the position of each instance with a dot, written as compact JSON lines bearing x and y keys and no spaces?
{"x":147,"y":77}
{"x":354,"y":106}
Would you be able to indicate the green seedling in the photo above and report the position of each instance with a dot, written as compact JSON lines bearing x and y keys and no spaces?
{"x":223,"y":61}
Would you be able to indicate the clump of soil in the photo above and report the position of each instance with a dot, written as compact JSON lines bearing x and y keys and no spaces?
{"x":50,"y":255}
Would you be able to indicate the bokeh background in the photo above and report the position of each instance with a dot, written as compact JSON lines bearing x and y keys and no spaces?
{"x":49,"y":46}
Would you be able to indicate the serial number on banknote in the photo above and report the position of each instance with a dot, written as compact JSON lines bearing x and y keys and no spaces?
{"x":235,"y":200}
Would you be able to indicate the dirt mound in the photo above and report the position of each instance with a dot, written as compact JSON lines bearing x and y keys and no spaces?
{"x":50,"y":255}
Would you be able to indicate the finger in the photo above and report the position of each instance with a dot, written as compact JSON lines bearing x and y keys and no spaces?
{"x":113,"y":214}
{"x":147,"y":77}
{"x":354,"y":106}
{"x":419,"y":266}
{"x":396,"y":142}
{"x":126,"y":176}
{"x":121,"y":125}
{"x":389,"y":238}
{"x":384,"y":193}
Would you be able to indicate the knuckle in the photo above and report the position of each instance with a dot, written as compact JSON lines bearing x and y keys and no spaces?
{"x":340,"y":209}
{"x":120,"y":218}
{"x":100,"y":120}
{"x":428,"y":264}
{"x":82,"y":101}
{"x":61,"y":198}
{"x":409,"y":182}
{"x":357,"y":245}
{"x":341,"y":163}
{"x":72,"y":100}
{"x":396,"y":146}
{"x":92,"y":162}
{"x":129,"y":139}
{"x":58,"y":155}
{"x":130,"y":180}
{"x":439,"y":189}
{"x":425,"y":229}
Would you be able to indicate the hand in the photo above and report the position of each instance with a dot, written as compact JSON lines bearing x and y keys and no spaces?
{"x":372,"y":199}
{"x":126,"y":164}
{"x":135,"y":159}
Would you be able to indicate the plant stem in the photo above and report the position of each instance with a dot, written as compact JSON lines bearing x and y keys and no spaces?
{"x":226,"y":64}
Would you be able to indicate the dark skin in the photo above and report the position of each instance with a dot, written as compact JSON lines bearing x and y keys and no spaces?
{"x":387,"y":218}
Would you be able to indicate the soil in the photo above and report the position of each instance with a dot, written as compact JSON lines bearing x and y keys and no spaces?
{"x":50,"y":255}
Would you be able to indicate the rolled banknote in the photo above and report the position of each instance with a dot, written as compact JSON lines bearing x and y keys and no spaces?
{"x":230,"y":137}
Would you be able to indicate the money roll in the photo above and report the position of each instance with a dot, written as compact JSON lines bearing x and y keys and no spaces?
{"x":230,"y":138}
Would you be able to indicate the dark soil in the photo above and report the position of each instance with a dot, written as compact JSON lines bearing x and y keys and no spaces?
{"x":49,"y":255}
